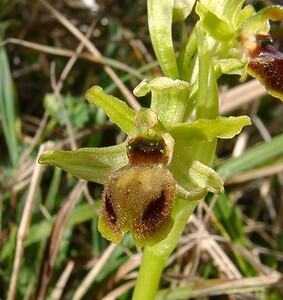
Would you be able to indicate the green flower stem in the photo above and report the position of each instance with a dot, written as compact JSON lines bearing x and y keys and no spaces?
{"x":188,"y":49}
{"x":155,"y":257}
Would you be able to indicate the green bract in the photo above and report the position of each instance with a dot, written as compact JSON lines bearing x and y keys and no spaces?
{"x":162,"y":124}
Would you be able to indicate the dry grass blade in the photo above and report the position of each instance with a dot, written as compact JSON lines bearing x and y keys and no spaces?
{"x":58,"y":290}
{"x":220,"y":258}
{"x":53,"y":243}
{"x":128,"y":95}
{"x":119,"y":291}
{"x":241,"y":95}
{"x":69,"y":53}
{"x":25,"y":222}
{"x":219,"y":287}
{"x":255,"y":174}
{"x":80,"y":292}
{"x":58,"y":86}
{"x":132,"y":263}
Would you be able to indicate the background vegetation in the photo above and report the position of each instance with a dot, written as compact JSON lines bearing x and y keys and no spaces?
{"x":49,"y":57}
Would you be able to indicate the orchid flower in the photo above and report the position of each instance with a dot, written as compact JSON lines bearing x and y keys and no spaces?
{"x":155,"y":165}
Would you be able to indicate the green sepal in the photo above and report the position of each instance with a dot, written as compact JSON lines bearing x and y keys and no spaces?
{"x":169,"y":98}
{"x":227,"y":10}
{"x":245,"y":14}
{"x":118,"y":111}
{"x":218,"y":28}
{"x":233,"y":66}
{"x":92,"y":164}
{"x":206,"y":130}
{"x":160,"y":18}
{"x":194,"y":180}
{"x":182,"y":9}
{"x":259,"y":22}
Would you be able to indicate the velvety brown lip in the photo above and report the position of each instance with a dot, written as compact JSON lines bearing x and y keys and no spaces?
{"x":265,"y":61}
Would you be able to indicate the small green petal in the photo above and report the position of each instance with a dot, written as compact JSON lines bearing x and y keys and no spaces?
{"x":118,"y":111}
{"x":259,"y":23}
{"x":233,"y":66}
{"x":169,"y":98}
{"x":245,"y":14}
{"x":194,"y":179}
{"x":206,"y":130}
{"x":92,"y":164}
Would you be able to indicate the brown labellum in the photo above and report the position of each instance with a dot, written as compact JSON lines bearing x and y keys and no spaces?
{"x":139,"y":196}
{"x":139,"y":200}
{"x":265,"y":62}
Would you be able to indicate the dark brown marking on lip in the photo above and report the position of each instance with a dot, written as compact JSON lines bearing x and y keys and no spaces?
{"x":143,"y":151}
{"x":110,"y":213}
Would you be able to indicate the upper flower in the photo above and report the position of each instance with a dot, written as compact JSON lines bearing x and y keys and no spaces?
{"x":156,"y":163}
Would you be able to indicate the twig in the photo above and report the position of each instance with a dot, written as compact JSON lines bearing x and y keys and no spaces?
{"x":25,"y":222}
{"x":69,"y":53}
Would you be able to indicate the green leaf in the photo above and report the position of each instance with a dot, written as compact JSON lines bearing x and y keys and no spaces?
{"x":160,"y":17}
{"x":7,"y":104}
{"x":206,"y":130}
{"x":253,"y":157}
{"x":169,"y":98}
{"x":118,"y":111}
{"x":92,"y":164}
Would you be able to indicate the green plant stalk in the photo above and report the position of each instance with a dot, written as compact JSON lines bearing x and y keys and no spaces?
{"x":155,"y":257}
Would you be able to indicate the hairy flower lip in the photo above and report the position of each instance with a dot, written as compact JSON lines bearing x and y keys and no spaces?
{"x":265,"y":62}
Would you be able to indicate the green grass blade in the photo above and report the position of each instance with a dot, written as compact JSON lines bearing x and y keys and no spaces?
{"x":7,"y":105}
{"x":253,"y":157}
